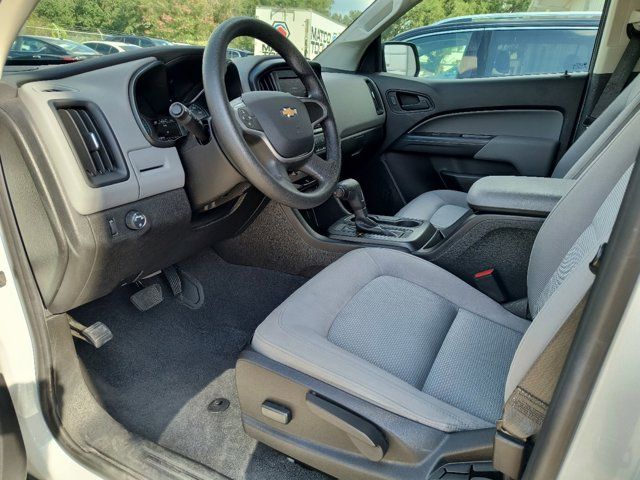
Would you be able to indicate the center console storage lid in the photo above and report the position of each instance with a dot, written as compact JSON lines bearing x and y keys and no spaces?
{"x":535,"y":196}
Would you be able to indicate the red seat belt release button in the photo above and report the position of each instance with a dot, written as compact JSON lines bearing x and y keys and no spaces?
{"x":484,"y":273}
{"x":488,"y":282}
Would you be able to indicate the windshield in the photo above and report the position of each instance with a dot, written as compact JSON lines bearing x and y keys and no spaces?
{"x":114,"y":26}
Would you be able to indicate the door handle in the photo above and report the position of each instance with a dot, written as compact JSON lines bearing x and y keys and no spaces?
{"x":409,"y":101}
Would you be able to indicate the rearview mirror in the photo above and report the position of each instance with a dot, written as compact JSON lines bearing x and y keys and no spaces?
{"x":401,"y":58}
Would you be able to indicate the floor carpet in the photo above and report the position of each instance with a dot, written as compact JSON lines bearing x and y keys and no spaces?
{"x":165,"y":366}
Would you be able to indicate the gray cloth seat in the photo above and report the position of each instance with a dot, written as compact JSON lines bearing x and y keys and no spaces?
{"x":416,"y":324}
{"x":409,"y":337}
{"x":571,"y":165}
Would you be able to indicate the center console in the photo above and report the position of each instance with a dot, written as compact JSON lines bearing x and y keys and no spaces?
{"x":405,"y":233}
{"x":361,"y":227}
{"x":508,"y":196}
{"x":487,"y":243}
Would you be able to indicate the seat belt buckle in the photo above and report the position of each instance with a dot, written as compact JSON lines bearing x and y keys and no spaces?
{"x":508,"y":453}
{"x":594,"y":264}
{"x":588,"y":121}
{"x":488,"y":282}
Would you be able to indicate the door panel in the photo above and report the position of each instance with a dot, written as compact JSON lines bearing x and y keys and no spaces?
{"x":456,"y":131}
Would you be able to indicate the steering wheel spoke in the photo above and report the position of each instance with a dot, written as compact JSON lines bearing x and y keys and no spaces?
{"x":318,"y":110}
{"x":277,"y":170}
{"x":322,"y":170}
{"x":246,"y":119}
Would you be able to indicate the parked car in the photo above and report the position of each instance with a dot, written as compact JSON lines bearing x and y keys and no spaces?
{"x":107,"y":47}
{"x":237,"y":53}
{"x":36,"y":48}
{"x":503,"y":44}
{"x":139,"y":41}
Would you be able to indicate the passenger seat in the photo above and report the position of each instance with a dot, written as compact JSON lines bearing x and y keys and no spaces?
{"x":424,"y":206}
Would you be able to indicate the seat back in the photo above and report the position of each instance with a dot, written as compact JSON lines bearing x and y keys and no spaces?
{"x":574,"y":161}
{"x":559,"y":274}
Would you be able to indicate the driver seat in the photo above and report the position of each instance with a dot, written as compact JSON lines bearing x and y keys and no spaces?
{"x":410,"y":338}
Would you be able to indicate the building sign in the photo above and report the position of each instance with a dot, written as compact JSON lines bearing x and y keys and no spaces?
{"x":281,"y":28}
{"x":319,"y":40}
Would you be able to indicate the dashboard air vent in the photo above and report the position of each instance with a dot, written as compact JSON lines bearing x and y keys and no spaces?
{"x":94,"y":144}
{"x":375,"y":96}
{"x":267,"y":82}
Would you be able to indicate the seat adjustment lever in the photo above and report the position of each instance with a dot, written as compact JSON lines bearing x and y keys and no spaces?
{"x":365,"y":436}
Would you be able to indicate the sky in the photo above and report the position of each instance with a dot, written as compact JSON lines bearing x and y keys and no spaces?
{"x":345,"y":6}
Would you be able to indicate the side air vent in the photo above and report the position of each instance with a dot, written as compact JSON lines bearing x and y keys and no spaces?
{"x":267,"y":82}
{"x":94,"y":143}
{"x":375,"y":96}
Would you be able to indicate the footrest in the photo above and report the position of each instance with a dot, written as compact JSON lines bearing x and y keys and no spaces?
{"x":97,"y":334}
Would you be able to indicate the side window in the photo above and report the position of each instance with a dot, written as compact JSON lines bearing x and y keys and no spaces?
{"x":447,"y":55}
{"x":31,"y":45}
{"x":538,"y":51}
{"x":101,"y":48}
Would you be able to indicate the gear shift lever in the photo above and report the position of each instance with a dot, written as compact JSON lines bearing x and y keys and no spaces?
{"x":350,"y":191}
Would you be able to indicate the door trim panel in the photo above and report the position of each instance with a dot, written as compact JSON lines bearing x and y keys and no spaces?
{"x":558,"y":92}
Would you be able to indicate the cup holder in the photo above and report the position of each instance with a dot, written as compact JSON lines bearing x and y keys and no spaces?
{"x":399,"y":222}
{"x":408,"y":223}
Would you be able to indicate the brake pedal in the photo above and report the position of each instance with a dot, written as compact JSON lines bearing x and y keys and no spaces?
{"x":97,"y":334}
{"x":147,"y":298}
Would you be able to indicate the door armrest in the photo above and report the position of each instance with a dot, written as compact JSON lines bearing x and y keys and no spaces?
{"x":531,"y":196}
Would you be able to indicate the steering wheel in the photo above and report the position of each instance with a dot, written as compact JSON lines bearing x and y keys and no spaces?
{"x":266,"y":134}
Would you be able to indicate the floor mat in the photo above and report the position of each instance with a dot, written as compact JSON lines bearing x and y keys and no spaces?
{"x":165,"y":366}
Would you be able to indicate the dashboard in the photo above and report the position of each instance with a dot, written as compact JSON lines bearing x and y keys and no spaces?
{"x":190,"y":194}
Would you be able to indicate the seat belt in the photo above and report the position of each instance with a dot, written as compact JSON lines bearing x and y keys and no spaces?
{"x":621,"y":74}
{"x":526,"y":408}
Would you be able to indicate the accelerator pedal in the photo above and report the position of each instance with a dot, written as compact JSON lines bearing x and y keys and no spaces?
{"x":173,"y":279}
{"x":185,"y":288}
{"x":147,"y":298}
{"x":97,"y":334}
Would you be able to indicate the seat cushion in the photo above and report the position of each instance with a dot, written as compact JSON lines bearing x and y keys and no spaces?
{"x":424,"y":206}
{"x":402,"y":334}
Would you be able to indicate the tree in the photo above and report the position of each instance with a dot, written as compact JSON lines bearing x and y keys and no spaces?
{"x":193,"y":20}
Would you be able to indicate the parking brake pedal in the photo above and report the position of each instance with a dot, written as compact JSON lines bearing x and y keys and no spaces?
{"x":147,"y":298}
{"x":97,"y":334}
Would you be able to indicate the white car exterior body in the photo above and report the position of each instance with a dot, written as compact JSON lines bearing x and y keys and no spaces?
{"x":119,"y":46}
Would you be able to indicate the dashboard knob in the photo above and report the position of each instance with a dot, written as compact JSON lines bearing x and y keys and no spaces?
{"x":135,"y":220}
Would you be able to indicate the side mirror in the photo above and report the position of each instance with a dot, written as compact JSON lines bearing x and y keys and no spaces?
{"x":401,"y":58}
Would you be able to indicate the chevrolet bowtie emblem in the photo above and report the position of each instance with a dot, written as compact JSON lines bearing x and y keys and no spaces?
{"x":289,"y":112}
